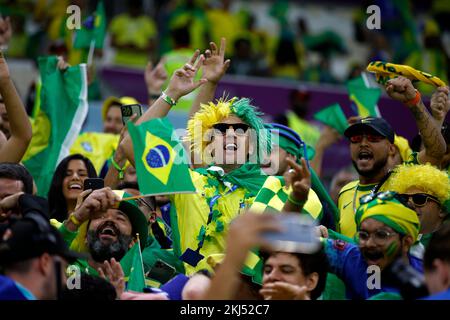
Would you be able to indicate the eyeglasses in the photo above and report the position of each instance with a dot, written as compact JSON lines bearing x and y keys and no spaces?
{"x":380,"y":236}
{"x":386,"y":195}
{"x":151,"y":204}
{"x":370,"y":137}
{"x":239,"y":128}
{"x":418,"y":199}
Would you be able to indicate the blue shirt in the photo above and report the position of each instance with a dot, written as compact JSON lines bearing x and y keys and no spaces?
{"x":347,"y":262}
{"x":444,"y":295}
{"x":11,"y":290}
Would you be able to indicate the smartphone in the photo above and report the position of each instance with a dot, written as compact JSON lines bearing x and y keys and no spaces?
{"x":298,"y":234}
{"x":93,"y":183}
{"x":161,"y":271}
{"x":130,"y":109}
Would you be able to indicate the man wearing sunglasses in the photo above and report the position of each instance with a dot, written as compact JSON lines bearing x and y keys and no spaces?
{"x":386,"y":231}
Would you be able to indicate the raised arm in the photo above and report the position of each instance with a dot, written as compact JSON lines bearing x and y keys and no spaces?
{"x":401,"y":89}
{"x":20,"y":126}
{"x":181,"y":83}
{"x":299,"y":178}
{"x":328,"y":137}
{"x":440,"y":105}
{"x":214,"y":67}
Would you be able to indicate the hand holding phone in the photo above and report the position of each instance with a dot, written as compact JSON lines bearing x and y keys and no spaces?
{"x":130,"y":109}
{"x":298,"y":234}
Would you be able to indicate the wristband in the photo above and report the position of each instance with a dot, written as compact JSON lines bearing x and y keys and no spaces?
{"x":293,"y":201}
{"x":118,"y":168}
{"x":414,"y":101}
{"x":167,"y":99}
{"x":74,"y":220}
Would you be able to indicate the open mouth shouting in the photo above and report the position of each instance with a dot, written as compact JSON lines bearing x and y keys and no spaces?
{"x":373,"y":257}
{"x":108,"y":232}
{"x":365,"y":157}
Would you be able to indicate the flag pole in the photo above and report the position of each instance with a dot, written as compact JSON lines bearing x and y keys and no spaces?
{"x":140,"y":254}
{"x":91,"y":52}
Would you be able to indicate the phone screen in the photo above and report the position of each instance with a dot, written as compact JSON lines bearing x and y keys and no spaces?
{"x":298,"y":234}
{"x":94,"y":183}
{"x":130,"y":109}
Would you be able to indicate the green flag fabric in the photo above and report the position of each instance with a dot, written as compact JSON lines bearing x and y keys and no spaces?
{"x":133,"y":269}
{"x":160,"y":158}
{"x":333,"y":116}
{"x":364,"y":97}
{"x":63,"y":109}
{"x":93,"y":30}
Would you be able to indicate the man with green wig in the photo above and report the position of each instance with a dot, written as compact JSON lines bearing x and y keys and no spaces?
{"x":387,"y":228}
{"x":227,"y":141}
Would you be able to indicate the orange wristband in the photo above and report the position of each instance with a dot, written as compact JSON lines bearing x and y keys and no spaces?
{"x":414,"y":101}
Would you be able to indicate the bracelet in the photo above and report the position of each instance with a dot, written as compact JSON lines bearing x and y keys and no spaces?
{"x":414,"y":101}
{"x":74,"y":220}
{"x":293,"y":201}
{"x":167,"y":99}
{"x":118,"y":168}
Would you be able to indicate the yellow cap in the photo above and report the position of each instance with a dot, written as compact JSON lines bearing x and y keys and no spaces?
{"x":115,"y":100}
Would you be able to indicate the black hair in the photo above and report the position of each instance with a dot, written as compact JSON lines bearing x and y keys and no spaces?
{"x":128,"y":185}
{"x":18,"y":172}
{"x":56,"y":201}
{"x":309,"y":263}
{"x":438,"y":247}
{"x":92,"y":288}
{"x":285,"y":53}
{"x":181,"y":36}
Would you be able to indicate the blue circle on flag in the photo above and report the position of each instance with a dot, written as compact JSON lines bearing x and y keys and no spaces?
{"x":158,"y":157}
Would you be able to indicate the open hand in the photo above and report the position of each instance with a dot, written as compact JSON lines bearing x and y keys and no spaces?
{"x":155,"y":77}
{"x":182,"y":81}
{"x":214,"y":66}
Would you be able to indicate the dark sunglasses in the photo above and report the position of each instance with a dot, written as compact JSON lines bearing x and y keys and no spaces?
{"x":419,"y":199}
{"x":370,"y":137}
{"x":237,"y":127}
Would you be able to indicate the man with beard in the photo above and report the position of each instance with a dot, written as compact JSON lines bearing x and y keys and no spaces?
{"x":372,"y":147}
{"x":110,"y":230}
{"x":386,"y":231}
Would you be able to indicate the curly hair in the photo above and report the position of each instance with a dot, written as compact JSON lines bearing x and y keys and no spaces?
{"x":212,"y":113}
{"x":426,"y":177}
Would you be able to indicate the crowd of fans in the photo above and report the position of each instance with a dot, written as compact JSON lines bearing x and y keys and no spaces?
{"x":382,"y":226}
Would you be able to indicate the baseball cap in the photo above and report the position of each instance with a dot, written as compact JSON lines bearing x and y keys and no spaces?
{"x":115,"y":100}
{"x":380,"y":125}
{"x":31,"y":237}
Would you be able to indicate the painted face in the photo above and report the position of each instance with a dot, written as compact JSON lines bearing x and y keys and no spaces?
{"x":276,"y":164}
{"x":383,"y":245}
{"x":283,"y":267}
{"x":230,"y":141}
{"x":430,"y":214}
{"x":370,"y":153}
{"x":76,"y":173}
{"x":113,"y":121}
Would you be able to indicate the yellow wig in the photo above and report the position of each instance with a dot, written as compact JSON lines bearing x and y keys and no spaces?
{"x":210,"y":114}
{"x":425,"y":177}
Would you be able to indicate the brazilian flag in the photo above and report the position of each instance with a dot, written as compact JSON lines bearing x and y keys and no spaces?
{"x":161,"y":163}
{"x":93,"y":30}
{"x":333,"y":116}
{"x":364,"y":97}
{"x":133,"y":269}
